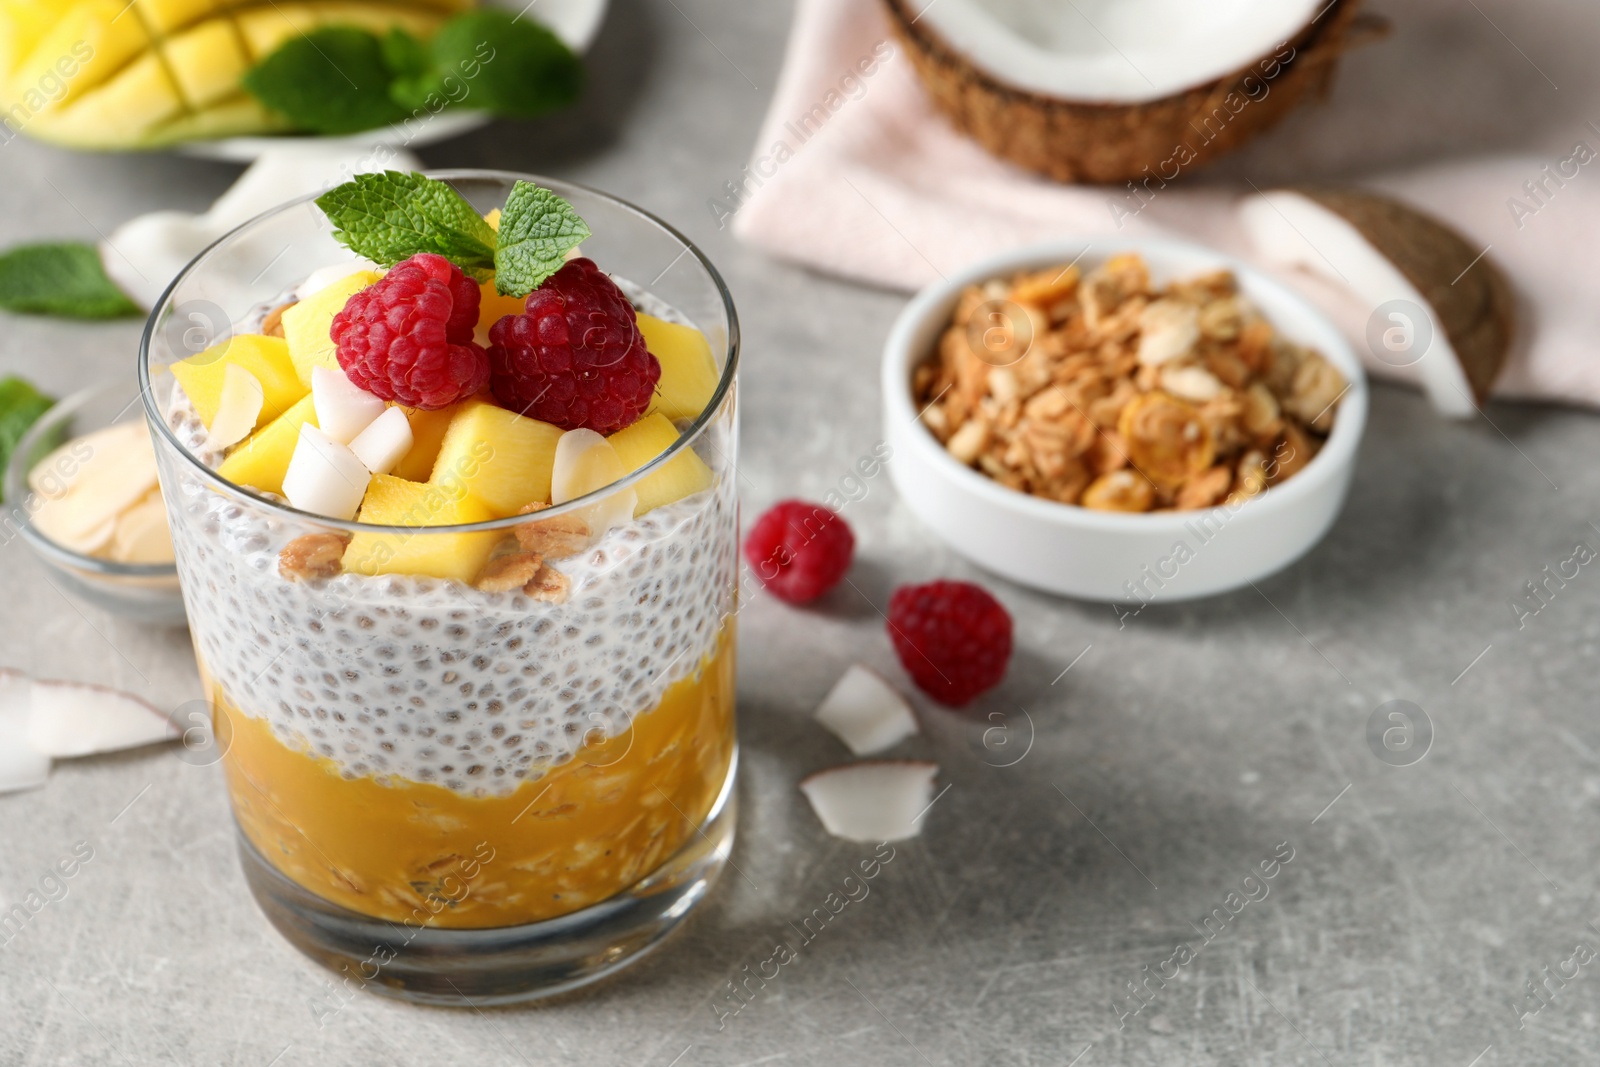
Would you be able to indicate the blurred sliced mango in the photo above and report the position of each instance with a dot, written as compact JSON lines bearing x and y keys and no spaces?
{"x":110,"y":74}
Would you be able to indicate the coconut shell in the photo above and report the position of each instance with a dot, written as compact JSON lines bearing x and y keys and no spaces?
{"x":1476,"y":306}
{"x":1074,"y":141}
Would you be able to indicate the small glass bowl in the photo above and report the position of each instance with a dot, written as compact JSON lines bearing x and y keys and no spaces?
{"x":144,"y":591}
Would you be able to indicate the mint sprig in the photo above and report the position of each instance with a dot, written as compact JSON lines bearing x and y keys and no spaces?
{"x":537,"y":230}
{"x":331,"y":80}
{"x":64,"y":278}
{"x":20,"y":407}
{"x":392,"y":216}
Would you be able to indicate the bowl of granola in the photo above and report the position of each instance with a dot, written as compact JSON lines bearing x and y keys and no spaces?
{"x":1142,"y":421}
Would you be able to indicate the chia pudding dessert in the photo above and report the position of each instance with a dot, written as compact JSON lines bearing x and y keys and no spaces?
{"x":456,"y":527}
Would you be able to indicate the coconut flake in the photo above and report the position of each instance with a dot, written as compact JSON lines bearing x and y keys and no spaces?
{"x":875,"y":800}
{"x":87,"y":483}
{"x":238,"y":407}
{"x":586,"y":462}
{"x":22,"y":764}
{"x":343,"y":408}
{"x":866,"y":712}
{"x":384,"y":442}
{"x":77,"y":719}
{"x":324,"y":476}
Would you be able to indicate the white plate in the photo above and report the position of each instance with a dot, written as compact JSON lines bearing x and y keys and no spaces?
{"x":1101,"y":555}
{"x":576,"y":22}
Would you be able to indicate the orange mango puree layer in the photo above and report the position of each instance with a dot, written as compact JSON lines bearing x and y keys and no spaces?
{"x":417,"y":852}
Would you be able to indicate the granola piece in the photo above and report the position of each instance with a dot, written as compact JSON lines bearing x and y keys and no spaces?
{"x":1122,"y":490}
{"x":1191,"y":383}
{"x":1222,"y":320}
{"x":1260,"y":417}
{"x":508,"y":571}
{"x":1258,"y":345}
{"x":1205,"y":489}
{"x":1317,"y":387}
{"x":1204,"y":289}
{"x":1003,"y":386}
{"x":935,"y":419}
{"x":549,"y":585}
{"x":272,"y":325}
{"x":1168,"y":330}
{"x":1252,"y":475}
{"x":312,"y":556}
{"x":1046,"y":288}
{"x":1281,"y":362}
{"x":969,"y":441}
{"x":1104,"y":411}
{"x":1223,"y":417}
{"x":1225,"y":363}
{"x":1167,"y":441}
{"x":1295,"y":448}
{"x":554,"y":538}
{"x":1106,"y":287}
{"x":970,"y":300}
{"x":1107,"y":454}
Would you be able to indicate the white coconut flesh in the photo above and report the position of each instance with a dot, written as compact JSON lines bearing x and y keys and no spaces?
{"x":1114,"y":51}
{"x":22,"y":764}
{"x":76,"y":719}
{"x":875,"y":800}
{"x":866,"y":713}
{"x":1290,"y":229}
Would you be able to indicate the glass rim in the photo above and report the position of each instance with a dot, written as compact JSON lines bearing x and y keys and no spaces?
{"x":696,"y":429}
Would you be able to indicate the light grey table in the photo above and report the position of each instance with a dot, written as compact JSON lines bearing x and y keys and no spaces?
{"x":1173,"y":758}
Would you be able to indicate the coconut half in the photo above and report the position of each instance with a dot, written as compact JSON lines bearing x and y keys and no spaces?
{"x":1112,"y":90}
{"x":875,"y":800}
{"x":1440,"y":311}
{"x":866,"y":712}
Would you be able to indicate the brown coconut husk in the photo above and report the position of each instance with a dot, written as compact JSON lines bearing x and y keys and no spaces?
{"x":1091,"y":142}
{"x":1467,"y":290}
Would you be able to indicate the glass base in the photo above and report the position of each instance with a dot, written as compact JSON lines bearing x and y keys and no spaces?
{"x":500,"y":965}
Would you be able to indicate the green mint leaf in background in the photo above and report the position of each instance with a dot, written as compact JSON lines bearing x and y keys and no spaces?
{"x":410,"y":65}
{"x":65,"y":279}
{"x":331,"y":80}
{"x":511,"y":65}
{"x":392,"y":216}
{"x":20,"y":406}
{"x":537,"y":230}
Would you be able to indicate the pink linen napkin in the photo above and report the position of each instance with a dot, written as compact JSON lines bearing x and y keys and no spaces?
{"x":856,"y":174}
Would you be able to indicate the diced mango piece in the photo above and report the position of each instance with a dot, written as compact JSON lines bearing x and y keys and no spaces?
{"x":683,"y":475}
{"x":493,"y":307}
{"x":427,"y":434}
{"x":688,"y":371}
{"x":502,"y":458}
{"x":306,"y":324}
{"x":207,"y":62}
{"x":141,"y":96}
{"x":87,"y":45}
{"x":262,"y":460}
{"x":267,"y":358}
{"x":392,"y":501}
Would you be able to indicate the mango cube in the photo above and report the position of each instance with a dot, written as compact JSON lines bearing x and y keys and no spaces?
{"x":683,"y":475}
{"x":392,"y":501}
{"x":499,"y":457}
{"x":427,"y":434}
{"x":267,"y":358}
{"x":689,"y":374}
{"x":306,"y":324}
{"x":207,"y":62}
{"x":261,"y":462}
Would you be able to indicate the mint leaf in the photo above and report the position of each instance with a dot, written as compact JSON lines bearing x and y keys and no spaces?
{"x":20,"y":406}
{"x":65,"y":279}
{"x":537,"y":230}
{"x":511,"y":65}
{"x":392,"y":216}
{"x":331,"y":80}
{"x":411,"y":65}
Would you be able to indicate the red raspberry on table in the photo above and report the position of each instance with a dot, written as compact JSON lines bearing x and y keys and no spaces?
{"x":408,"y":336}
{"x":799,"y":550}
{"x":953,"y":638}
{"x":575,"y":358}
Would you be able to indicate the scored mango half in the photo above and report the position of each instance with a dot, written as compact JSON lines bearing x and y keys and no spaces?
{"x":115,"y":74}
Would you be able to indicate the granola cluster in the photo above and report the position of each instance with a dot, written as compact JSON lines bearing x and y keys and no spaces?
{"x":1100,"y":391}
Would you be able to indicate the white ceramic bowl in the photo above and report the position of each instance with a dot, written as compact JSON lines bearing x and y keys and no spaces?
{"x":1098,"y":555}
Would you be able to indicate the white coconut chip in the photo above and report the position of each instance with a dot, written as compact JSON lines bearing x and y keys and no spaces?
{"x":866,"y":712}
{"x":238,"y":407}
{"x":384,"y":442}
{"x":586,"y":462}
{"x":22,"y":764}
{"x":343,"y":408}
{"x":875,"y":800}
{"x":78,"y":719}
{"x":1292,"y":230}
{"x":324,"y":476}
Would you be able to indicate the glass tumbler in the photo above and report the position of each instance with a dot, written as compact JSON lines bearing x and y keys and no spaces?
{"x":442,"y":793}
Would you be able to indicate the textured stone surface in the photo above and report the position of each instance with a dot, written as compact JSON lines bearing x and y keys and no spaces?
{"x":1173,"y":757}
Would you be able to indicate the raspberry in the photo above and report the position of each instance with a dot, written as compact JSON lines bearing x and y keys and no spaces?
{"x":576,"y":357}
{"x":408,"y":336}
{"x":953,"y":638}
{"x":799,"y":550}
